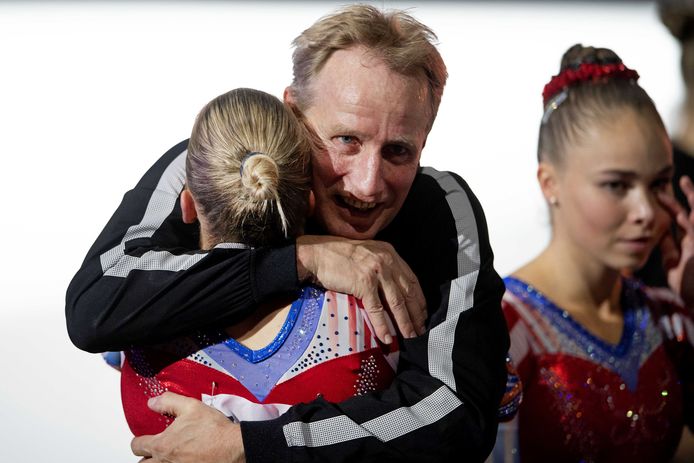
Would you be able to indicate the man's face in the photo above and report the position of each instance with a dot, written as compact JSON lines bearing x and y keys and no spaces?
{"x":373,"y":123}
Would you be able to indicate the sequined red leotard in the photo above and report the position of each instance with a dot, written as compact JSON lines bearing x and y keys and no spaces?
{"x":590,"y":401}
{"x":325,"y":348}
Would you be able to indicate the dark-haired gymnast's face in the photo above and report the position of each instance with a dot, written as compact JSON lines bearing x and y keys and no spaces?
{"x":607,"y":208}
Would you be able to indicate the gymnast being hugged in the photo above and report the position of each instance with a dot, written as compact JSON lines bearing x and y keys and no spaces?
{"x":248,"y":184}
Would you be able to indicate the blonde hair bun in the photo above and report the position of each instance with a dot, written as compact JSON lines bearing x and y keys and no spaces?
{"x":248,"y":169}
{"x":260,"y":177}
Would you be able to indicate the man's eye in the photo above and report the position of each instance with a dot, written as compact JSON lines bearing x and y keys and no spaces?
{"x":345,"y":144}
{"x":396,"y":150}
{"x":346,"y":139}
{"x":398,"y":154}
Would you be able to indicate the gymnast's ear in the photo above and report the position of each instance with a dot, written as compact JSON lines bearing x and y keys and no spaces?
{"x":188,"y":210}
{"x":547,"y":177}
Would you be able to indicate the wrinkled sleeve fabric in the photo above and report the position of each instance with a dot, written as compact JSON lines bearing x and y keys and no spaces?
{"x":443,"y":402}
{"x":676,"y":323}
{"x":144,"y":280}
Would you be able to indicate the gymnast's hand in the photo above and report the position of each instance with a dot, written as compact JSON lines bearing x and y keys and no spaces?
{"x":199,"y":434}
{"x":678,"y":255}
{"x":371,"y":271}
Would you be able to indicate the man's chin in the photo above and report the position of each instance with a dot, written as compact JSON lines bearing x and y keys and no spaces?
{"x":352,"y":231}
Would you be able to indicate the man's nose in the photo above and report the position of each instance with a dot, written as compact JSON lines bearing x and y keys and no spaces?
{"x":367,"y":175}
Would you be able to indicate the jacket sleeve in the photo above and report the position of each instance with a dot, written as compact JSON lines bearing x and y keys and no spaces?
{"x":443,"y":402}
{"x":145,"y":280}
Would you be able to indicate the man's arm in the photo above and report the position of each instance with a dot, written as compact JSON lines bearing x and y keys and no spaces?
{"x":144,"y":280}
{"x":444,"y":400}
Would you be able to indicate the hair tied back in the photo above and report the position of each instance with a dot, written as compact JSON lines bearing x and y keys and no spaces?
{"x":586,"y":72}
{"x":245,"y":158}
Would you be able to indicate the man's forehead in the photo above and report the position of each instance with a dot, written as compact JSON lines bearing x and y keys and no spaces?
{"x":344,"y":66}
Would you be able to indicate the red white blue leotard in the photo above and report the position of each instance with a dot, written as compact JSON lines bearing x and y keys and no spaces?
{"x":326,"y":347}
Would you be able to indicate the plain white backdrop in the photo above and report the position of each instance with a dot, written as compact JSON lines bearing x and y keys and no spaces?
{"x":91,"y":94}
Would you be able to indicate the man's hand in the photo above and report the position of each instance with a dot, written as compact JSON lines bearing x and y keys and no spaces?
{"x":371,"y":271}
{"x":199,"y":434}
{"x":678,"y":257}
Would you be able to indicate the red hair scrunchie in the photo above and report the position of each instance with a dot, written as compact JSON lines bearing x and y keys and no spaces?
{"x":584,"y":73}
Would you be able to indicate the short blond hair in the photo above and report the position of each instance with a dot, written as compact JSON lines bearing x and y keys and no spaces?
{"x":404,"y":44}
{"x":248,"y":168}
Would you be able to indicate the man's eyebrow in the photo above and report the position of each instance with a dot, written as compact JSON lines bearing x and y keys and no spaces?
{"x":402,"y":142}
{"x":341,"y":129}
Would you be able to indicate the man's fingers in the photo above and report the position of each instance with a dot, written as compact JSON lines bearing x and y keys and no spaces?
{"x":377,"y":317}
{"x":418,"y":316}
{"x":397,"y":306}
{"x":394,"y":298}
{"x":167,"y":404}
{"x":414,"y":300}
{"x":371,"y":271}
{"x":170,"y":403}
{"x":402,"y":295}
{"x":141,"y":446}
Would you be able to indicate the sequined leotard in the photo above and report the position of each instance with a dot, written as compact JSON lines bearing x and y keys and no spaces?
{"x":585,"y":400}
{"x":325,"y":335}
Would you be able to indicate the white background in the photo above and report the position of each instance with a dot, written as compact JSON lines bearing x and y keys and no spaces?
{"x":91,"y":94}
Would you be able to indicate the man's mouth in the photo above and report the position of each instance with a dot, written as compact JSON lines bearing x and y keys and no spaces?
{"x":352,"y":203}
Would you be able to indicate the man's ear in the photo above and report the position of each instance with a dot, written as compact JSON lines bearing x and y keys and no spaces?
{"x":547,"y":178}
{"x":288,"y":96}
{"x":188,"y":210}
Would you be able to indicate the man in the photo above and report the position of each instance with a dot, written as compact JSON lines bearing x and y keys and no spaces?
{"x":369,"y":84}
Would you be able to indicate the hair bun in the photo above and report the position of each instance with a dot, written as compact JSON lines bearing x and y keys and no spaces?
{"x":259,"y":176}
{"x":578,"y":55}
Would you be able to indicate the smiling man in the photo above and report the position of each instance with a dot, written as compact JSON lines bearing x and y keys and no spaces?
{"x":369,"y":85}
{"x":373,"y":125}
